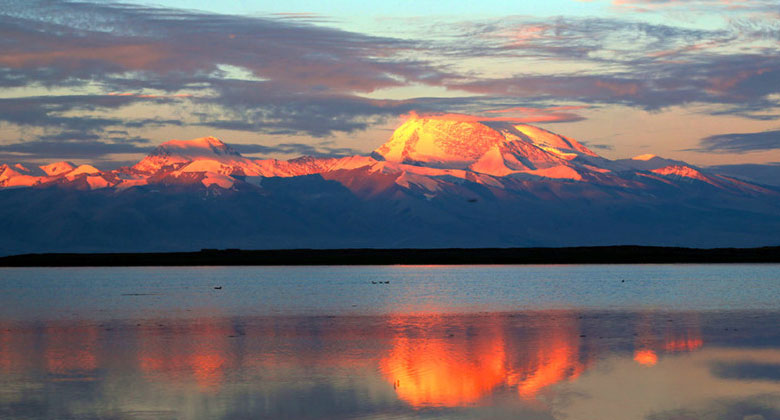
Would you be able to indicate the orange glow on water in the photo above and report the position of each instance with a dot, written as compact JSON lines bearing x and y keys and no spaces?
{"x":13,"y":348}
{"x":202,"y":359}
{"x":556,"y":364}
{"x":429,"y":359}
{"x":683,"y":344}
{"x":556,"y":358}
{"x":70,"y":350}
{"x":455,"y":371}
{"x":207,"y":367}
{"x":444,"y":371}
{"x":649,"y":343}
{"x":646,"y":357}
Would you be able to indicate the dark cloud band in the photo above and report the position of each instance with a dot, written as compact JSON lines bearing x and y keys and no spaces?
{"x":740,"y":142}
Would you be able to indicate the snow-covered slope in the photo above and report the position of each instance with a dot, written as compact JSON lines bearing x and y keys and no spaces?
{"x":211,"y":154}
{"x":497,"y":149}
{"x":57,"y":168}
{"x":423,"y":153}
{"x":435,"y":182}
{"x":16,"y":176}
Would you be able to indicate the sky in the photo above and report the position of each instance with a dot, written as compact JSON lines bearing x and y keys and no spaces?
{"x":105,"y":82}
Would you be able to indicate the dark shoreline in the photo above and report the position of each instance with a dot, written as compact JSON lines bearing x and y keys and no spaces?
{"x":367,"y":256}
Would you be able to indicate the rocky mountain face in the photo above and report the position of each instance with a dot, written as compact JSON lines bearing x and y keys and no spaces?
{"x":434,"y":183}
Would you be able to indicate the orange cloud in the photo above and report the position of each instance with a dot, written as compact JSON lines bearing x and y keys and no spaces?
{"x":138,"y":56}
{"x":521,"y":115}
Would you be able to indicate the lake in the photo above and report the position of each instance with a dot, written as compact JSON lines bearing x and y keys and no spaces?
{"x":652,"y":342}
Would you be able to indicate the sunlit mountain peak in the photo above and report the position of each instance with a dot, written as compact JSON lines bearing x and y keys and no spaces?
{"x":439,"y":141}
{"x":175,"y":153}
{"x":646,"y":156}
{"x":203,"y":146}
{"x":57,"y":168}
{"x":496,"y":148}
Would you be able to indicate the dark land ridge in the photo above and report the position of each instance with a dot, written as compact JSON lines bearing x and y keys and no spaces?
{"x":368,"y":256}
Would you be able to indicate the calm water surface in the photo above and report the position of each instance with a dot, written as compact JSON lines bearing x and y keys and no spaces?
{"x":652,"y":342}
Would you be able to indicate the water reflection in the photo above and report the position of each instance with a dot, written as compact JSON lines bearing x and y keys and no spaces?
{"x":684,"y":336}
{"x":165,"y":355}
{"x":551,"y":354}
{"x":545,"y":364}
{"x":70,"y":351}
{"x":445,"y":364}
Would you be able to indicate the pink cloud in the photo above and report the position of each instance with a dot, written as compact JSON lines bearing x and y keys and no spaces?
{"x":520,"y":115}
{"x":149,"y":96}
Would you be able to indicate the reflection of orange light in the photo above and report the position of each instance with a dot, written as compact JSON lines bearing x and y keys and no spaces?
{"x":202,"y":358}
{"x":430,"y":372}
{"x":11,"y":352}
{"x":207,"y":368}
{"x":556,"y":360}
{"x":683,"y":344}
{"x":443,"y":371}
{"x":646,"y":357}
{"x":437,"y":371}
{"x":70,"y":349}
{"x":555,"y":366}
{"x":648,"y":345}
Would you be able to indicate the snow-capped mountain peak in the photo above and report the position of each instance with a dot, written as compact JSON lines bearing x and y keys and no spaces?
{"x":200,"y":147}
{"x":424,"y":152}
{"x":176,"y":153}
{"x":645,"y":157}
{"x":454,"y":144}
{"x":493,"y":148}
{"x":439,"y":142}
{"x":436,"y":182}
{"x":57,"y":168}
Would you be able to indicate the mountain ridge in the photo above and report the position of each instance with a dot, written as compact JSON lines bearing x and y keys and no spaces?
{"x":419,"y":147}
{"x":434,"y":183}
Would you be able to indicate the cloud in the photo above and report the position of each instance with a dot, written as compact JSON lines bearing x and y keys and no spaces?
{"x":58,"y":111}
{"x":260,"y":106}
{"x":726,"y":4}
{"x":621,"y":61}
{"x":740,"y":80}
{"x":768,"y":174}
{"x":47,"y":111}
{"x":517,"y":115}
{"x":115,"y":39}
{"x":289,"y":75}
{"x":600,"y":146}
{"x":279,"y":74}
{"x":596,"y":40}
{"x":80,"y":148}
{"x":740,"y":142}
{"x":322,"y":149}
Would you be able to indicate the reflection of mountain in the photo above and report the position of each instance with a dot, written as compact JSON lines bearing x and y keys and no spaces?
{"x":668,"y":340}
{"x":440,"y":370}
{"x":548,"y":364}
{"x":71,"y":350}
{"x":435,"y":182}
{"x":426,"y":360}
{"x":202,"y":358}
{"x":556,"y":358}
{"x":436,"y":369}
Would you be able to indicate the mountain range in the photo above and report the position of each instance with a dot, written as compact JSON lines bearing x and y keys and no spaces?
{"x":437,"y":182}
